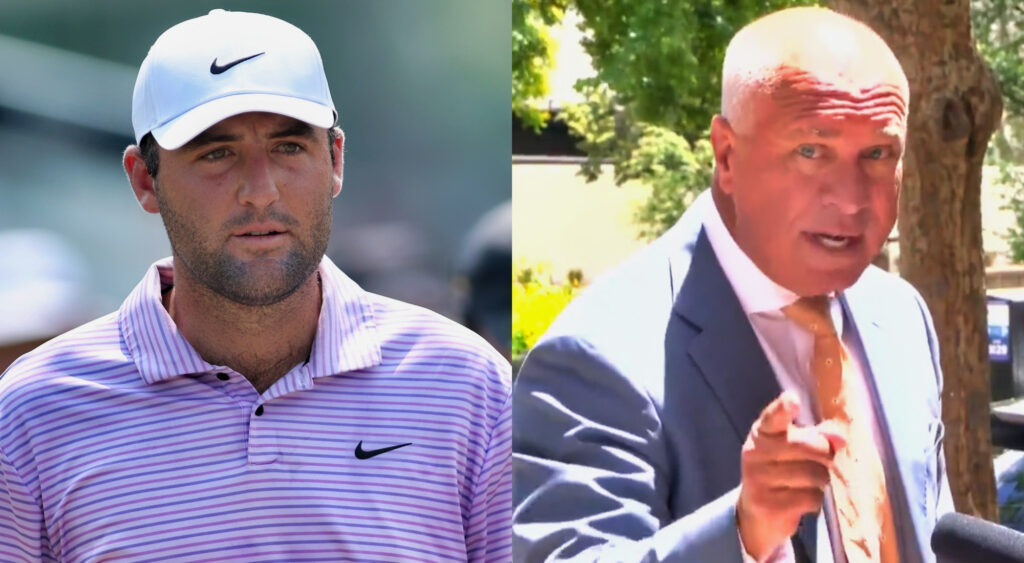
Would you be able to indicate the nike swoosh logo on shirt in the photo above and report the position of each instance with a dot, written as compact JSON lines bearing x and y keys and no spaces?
{"x":367,"y":454}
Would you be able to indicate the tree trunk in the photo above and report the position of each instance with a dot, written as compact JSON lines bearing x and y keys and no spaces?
{"x":954,"y":107}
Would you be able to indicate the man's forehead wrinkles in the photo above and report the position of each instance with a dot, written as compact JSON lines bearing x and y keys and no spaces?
{"x":801,"y":83}
{"x":873,"y":107}
{"x":870,"y":112}
{"x":842,"y":110}
{"x":826,"y":121}
{"x":832,"y":102}
{"x":849,"y":80}
{"x":840,"y":96}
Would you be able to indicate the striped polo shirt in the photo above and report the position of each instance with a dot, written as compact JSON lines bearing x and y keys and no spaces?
{"x":118,"y":442}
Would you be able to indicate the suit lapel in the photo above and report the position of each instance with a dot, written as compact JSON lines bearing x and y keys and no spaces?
{"x":881,"y":344}
{"x":727,"y":353}
{"x":726,"y":350}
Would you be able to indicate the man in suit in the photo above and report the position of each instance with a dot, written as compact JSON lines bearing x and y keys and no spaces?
{"x":686,"y":407}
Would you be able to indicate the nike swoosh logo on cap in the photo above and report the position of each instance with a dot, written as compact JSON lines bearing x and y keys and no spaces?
{"x":217,"y":69}
{"x":367,"y":454}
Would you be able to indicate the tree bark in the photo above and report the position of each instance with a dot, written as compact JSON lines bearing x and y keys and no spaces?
{"x":955,"y":105}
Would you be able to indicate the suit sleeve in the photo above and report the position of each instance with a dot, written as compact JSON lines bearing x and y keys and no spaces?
{"x":22,"y":535}
{"x":944,"y":498}
{"x":592,"y":471}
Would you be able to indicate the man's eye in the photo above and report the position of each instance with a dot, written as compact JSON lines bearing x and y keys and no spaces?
{"x":215,"y":154}
{"x":289,"y":148}
{"x":808,"y":151}
{"x":877,"y":153}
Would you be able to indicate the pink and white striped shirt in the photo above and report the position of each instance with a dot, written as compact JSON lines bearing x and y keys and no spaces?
{"x":119,"y":443}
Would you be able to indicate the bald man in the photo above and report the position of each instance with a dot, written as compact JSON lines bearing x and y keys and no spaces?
{"x":749,"y":387}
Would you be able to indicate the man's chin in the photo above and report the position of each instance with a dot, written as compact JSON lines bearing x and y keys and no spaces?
{"x":824,"y":282}
{"x":259,"y":282}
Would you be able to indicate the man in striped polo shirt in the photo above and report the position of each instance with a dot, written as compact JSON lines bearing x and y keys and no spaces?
{"x":249,"y":401}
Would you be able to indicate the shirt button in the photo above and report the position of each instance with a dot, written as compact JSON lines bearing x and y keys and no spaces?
{"x":259,"y":410}
{"x":223,"y":376}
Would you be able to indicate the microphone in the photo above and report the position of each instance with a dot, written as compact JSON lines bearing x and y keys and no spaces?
{"x":959,"y":538}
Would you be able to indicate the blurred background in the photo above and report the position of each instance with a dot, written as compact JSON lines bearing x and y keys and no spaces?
{"x":423,"y":94}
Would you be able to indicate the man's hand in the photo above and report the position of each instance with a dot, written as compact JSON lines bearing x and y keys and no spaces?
{"x":784,"y":471}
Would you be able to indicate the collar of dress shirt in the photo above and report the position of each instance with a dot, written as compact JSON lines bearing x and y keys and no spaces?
{"x":346,"y":337}
{"x":757,"y":293}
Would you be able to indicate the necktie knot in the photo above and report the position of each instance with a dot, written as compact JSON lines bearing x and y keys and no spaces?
{"x":812,"y":314}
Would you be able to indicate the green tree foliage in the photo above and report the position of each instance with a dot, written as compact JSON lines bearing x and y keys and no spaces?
{"x":675,"y":169}
{"x":663,"y":59}
{"x":532,"y":49}
{"x":657,"y":85}
{"x":536,"y":300}
{"x":1010,"y":175}
{"x":998,"y":27}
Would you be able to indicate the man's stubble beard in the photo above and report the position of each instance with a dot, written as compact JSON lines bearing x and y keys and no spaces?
{"x":229,"y":277}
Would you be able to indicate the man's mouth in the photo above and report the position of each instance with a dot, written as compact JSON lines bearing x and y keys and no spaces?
{"x":834,"y":241}
{"x":260,"y":238}
{"x":260,"y":233}
{"x":263,"y":229}
{"x":831,"y":241}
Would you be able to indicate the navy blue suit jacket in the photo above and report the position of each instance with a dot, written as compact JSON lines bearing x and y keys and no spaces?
{"x":631,"y":412}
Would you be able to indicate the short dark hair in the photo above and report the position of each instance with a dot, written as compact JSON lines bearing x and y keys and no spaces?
{"x":151,"y":150}
{"x":150,"y":153}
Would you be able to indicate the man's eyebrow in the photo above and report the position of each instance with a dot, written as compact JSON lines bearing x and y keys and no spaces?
{"x":294,"y":129}
{"x":208,"y":138}
{"x":805,"y":131}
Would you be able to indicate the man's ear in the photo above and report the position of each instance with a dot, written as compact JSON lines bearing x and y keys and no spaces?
{"x":338,"y":150}
{"x":138,"y":176}
{"x":723,"y":141}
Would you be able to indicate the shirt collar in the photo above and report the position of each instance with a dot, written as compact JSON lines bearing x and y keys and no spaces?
{"x":346,"y":337}
{"x":756,"y":292}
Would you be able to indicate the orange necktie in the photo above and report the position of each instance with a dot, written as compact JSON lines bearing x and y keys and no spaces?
{"x":857,"y":477}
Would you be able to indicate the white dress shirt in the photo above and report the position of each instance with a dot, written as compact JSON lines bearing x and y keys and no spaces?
{"x":789,"y":350}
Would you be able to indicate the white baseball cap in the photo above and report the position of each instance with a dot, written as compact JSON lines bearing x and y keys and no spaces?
{"x":207,"y":69}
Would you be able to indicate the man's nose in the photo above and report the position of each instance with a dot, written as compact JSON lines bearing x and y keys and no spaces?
{"x":258,"y":185}
{"x":848,"y":188}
